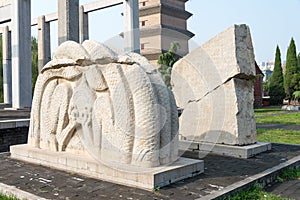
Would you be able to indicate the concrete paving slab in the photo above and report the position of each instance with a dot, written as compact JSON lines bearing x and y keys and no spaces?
{"x":220,"y":173}
{"x":288,"y":189}
{"x":20,"y":194}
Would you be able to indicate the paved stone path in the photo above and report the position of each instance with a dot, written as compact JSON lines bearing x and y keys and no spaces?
{"x":288,"y":189}
{"x":279,"y":126}
{"x":220,"y":172}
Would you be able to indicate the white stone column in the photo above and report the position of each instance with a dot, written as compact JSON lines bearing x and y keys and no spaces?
{"x":21,"y":54}
{"x":131,"y":26}
{"x":68,"y":20}
{"x":44,"y":42}
{"x":83,"y":25}
{"x":6,"y":56}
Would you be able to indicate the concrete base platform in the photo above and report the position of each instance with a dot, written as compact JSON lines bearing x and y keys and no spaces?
{"x":145,"y":178}
{"x":291,"y":108}
{"x":223,"y":176}
{"x":226,"y":150}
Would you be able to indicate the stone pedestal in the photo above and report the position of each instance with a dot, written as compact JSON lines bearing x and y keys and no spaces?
{"x":145,"y":178}
{"x":204,"y":148}
{"x":291,"y":107}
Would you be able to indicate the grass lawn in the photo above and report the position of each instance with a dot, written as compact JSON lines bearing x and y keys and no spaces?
{"x":278,"y":136}
{"x":274,"y":115}
{"x":289,"y":118}
{"x":289,"y":174}
{"x":4,"y":197}
{"x":268,"y":111}
{"x":255,"y":193}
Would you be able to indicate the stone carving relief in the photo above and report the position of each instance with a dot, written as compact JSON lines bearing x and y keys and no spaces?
{"x":89,"y":99}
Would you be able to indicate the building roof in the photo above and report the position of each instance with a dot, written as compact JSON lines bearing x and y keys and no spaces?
{"x":165,"y":9}
{"x":258,"y":69}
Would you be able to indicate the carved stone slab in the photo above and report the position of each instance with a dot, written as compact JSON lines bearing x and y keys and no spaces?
{"x":214,"y":87}
{"x":105,"y":115}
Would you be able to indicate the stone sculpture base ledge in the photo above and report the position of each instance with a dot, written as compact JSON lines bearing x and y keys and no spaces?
{"x":247,"y":151}
{"x":290,"y":107}
{"x":144,"y":178}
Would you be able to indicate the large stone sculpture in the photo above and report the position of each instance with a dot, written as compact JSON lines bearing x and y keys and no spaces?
{"x":116,"y":108}
{"x":214,"y":87}
{"x":105,"y":115}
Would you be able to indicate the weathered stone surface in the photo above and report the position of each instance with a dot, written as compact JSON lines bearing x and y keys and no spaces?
{"x":91,"y":100}
{"x":229,"y":54}
{"x":72,"y":50}
{"x":224,"y":116}
{"x":99,"y":53}
{"x":247,"y":151}
{"x":145,"y":178}
{"x":213,"y":84}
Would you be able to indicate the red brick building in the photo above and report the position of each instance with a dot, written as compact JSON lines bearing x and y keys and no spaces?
{"x":258,"y":88}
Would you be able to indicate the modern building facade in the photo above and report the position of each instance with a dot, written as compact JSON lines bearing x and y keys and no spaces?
{"x":161,"y":23}
{"x":267,"y":68}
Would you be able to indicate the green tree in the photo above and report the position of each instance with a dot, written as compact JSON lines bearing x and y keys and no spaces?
{"x":296,"y":95}
{"x":166,"y":62}
{"x":34,"y":58}
{"x":266,"y":87}
{"x":276,"y":87}
{"x":299,"y":61}
{"x":292,"y":73}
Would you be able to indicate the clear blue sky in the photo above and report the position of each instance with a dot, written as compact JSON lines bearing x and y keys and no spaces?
{"x":271,"y":22}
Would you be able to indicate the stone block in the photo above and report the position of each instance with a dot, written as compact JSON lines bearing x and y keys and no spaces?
{"x":229,"y":54}
{"x":291,"y":107}
{"x":188,"y":145}
{"x":144,"y":178}
{"x":214,"y":87}
{"x":225,"y":116}
{"x":232,"y":151}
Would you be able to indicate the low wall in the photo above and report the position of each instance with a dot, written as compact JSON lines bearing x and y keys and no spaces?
{"x":13,"y":132}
